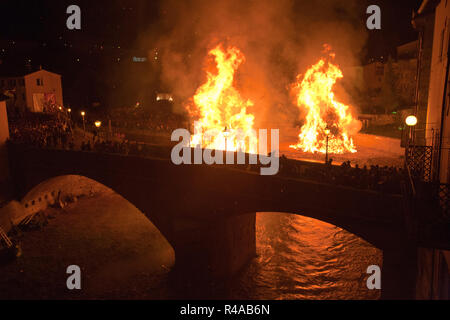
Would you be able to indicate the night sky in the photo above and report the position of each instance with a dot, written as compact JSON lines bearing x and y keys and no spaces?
{"x":396,"y":26}
{"x":34,"y":33}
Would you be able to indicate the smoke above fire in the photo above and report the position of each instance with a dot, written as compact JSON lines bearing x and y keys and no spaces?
{"x":279,"y":40}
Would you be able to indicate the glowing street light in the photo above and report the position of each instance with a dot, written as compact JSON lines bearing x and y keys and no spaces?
{"x":84,"y":124}
{"x":69,"y":113}
{"x":411,"y":121}
{"x":97,"y":124}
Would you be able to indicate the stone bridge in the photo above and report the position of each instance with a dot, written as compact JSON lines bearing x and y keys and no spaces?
{"x":208,"y":213}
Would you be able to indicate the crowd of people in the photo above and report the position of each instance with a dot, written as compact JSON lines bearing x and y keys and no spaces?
{"x":378,"y":178}
{"x":124,"y":147}
{"x":54,"y":131}
{"x":137,"y":119}
{"x":41,"y":130}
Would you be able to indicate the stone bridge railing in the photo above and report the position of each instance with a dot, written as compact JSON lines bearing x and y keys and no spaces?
{"x":290,"y":168}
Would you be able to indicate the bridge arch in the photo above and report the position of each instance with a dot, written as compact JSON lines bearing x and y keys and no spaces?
{"x":121,"y":217}
{"x":306,"y":258}
{"x":324,"y":222}
{"x":381,"y":234}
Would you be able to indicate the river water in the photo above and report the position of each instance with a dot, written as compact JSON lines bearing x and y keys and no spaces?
{"x":303,"y":258}
{"x":297,"y":257}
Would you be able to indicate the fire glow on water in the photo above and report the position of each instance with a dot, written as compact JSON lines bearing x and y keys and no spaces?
{"x":326,"y":118}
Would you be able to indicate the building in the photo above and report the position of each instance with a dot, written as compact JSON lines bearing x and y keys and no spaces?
{"x":437,"y":120}
{"x":37,"y":91}
{"x":423,"y":21}
{"x":164,"y":97}
{"x":399,"y":75}
{"x":433,"y":21}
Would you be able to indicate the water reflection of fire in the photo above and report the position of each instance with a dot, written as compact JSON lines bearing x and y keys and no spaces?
{"x":219,"y":107}
{"x":326,"y":118}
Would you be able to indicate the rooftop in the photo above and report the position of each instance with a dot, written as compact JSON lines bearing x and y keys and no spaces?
{"x":6,"y":72}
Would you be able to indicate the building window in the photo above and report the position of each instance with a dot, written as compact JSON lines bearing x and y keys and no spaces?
{"x":12,"y":82}
{"x":2,"y":83}
{"x":39,"y":82}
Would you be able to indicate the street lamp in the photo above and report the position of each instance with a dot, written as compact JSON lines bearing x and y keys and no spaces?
{"x":59,"y":113}
{"x":411,"y":122}
{"x":98,"y":125}
{"x":226,"y":133}
{"x":84,"y":125}
{"x":69,"y":114}
{"x":327,"y":132}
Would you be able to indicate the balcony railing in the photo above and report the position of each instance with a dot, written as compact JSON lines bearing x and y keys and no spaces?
{"x":422,"y":163}
{"x":419,"y":161}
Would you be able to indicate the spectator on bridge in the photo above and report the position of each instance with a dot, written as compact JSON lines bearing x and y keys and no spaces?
{"x":50,"y":132}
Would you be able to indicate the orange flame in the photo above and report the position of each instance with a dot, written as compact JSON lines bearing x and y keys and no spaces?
{"x":325,"y":117}
{"x":219,"y":107}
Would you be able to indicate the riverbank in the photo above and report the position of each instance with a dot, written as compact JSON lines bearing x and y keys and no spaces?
{"x":120,"y":252}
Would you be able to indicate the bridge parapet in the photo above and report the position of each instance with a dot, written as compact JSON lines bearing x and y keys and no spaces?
{"x":165,"y":192}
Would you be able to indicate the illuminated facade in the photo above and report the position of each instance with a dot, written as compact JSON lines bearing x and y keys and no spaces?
{"x":433,"y":280}
{"x":438,"y":92}
{"x":36,"y":92}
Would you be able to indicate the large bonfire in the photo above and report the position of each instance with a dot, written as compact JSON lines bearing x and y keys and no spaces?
{"x":219,"y":108}
{"x":327,"y":120}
